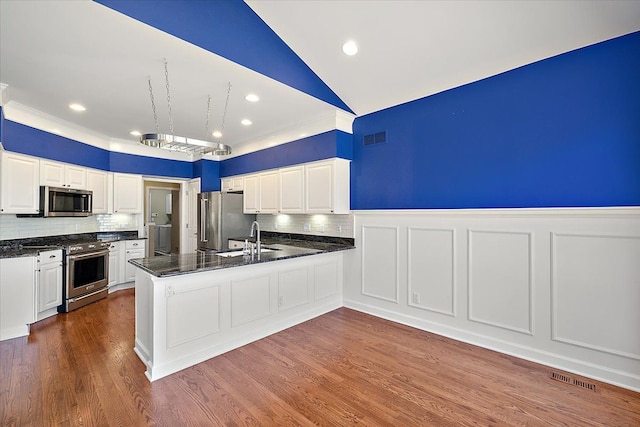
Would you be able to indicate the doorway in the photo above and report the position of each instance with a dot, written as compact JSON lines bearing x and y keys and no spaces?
{"x":162,"y":217}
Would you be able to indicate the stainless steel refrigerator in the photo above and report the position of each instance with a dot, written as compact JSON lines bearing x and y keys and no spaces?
{"x":219,"y":218}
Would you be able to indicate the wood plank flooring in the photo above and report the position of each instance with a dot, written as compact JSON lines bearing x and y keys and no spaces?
{"x":343,"y":368}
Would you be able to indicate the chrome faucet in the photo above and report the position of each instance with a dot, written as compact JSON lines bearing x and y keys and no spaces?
{"x":258,"y":246}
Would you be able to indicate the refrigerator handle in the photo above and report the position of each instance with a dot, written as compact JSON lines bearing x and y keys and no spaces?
{"x":203,"y":220}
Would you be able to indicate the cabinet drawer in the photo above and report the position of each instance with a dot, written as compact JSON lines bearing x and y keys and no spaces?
{"x":45,"y":257}
{"x":134,"y":244}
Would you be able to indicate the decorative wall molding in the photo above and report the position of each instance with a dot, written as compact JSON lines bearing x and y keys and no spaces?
{"x":431,"y":257}
{"x":594,"y":277}
{"x":500,"y":270}
{"x":381,"y":279}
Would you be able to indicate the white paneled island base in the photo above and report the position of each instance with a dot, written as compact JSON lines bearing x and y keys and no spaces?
{"x":185,"y":319}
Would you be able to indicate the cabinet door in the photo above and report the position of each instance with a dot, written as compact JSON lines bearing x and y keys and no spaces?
{"x":130,"y":270}
{"x":50,"y":286}
{"x":250,"y":195}
{"x":114,"y":263}
{"x":319,"y":187}
{"x":17,"y":292}
{"x":226,"y":184}
{"x":97,"y":181}
{"x":238,"y":183}
{"x":19,"y":184}
{"x":51,"y":173}
{"x":292,"y":190}
{"x":75,"y":177}
{"x":269,"y":192}
{"x":127,"y":193}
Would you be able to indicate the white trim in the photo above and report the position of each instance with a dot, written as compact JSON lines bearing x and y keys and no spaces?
{"x":591,"y":212}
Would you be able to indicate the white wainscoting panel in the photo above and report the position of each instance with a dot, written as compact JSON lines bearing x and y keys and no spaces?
{"x":325,"y":280}
{"x":293,"y":288}
{"x":500,"y":283}
{"x":250,"y":300}
{"x":596,"y":292}
{"x":431,"y":275}
{"x":192,"y":313}
{"x":380,"y":262}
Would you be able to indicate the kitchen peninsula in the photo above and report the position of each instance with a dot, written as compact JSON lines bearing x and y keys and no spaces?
{"x":192,"y":307}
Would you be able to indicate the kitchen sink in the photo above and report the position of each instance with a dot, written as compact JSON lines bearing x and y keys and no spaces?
{"x":240,"y":253}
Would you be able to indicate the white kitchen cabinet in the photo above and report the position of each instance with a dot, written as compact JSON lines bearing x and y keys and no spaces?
{"x":127,"y":193}
{"x":261,"y":193}
{"x":327,"y":187}
{"x":56,"y":174}
{"x":98,"y":182}
{"x":292,"y":190}
{"x":19,"y":184}
{"x":269,"y":193}
{"x":49,"y":283}
{"x":232,"y":184}
{"x":116,"y":272}
{"x":251,"y":194}
{"x":17,"y":296}
{"x":133,"y":249}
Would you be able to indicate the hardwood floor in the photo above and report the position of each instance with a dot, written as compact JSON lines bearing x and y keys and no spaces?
{"x":342,"y":368}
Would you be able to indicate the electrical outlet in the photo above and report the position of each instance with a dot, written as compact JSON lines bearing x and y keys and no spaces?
{"x":280,"y":301}
{"x":306,"y":226}
{"x":339,"y":229}
{"x":415,"y":298}
{"x":275,"y":225}
{"x":321,"y":228}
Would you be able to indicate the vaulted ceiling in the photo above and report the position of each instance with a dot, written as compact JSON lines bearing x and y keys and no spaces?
{"x":103,"y":54}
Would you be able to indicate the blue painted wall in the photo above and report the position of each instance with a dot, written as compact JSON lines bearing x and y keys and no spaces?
{"x":231,"y":29}
{"x":34,"y":142}
{"x":318,"y":147}
{"x":130,"y":163}
{"x":563,"y":132}
{"x":209,"y":173}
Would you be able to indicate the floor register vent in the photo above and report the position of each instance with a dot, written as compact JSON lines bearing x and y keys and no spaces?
{"x":567,"y":379}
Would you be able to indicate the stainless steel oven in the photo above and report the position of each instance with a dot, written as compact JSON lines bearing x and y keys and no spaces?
{"x":87,"y":267}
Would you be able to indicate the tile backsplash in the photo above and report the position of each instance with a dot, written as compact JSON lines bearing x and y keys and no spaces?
{"x":12,"y":227}
{"x":322,"y":225}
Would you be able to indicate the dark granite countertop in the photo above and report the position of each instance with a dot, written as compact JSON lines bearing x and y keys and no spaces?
{"x":172,"y":265}
{"x":32,"y":245}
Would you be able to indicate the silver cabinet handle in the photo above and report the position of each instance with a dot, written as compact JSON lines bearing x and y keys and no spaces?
{"x":203,"y":218}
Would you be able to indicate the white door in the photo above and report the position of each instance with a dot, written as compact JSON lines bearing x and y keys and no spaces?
{"x":191,"y":226}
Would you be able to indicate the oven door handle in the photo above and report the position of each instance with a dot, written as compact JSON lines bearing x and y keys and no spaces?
{"x":88,"y":255}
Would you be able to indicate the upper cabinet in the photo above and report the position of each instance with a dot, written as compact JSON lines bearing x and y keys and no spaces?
{"x":98,"y":182}
{"x":269,"y":196}
{"x":19,"y":184}
{"x":318,"y":187}
{"x":232,"y":184}
{"x":55,"y":174}
{"x":327,"y":187}
{"x":127,"y":193}
{"x":292,"y":190}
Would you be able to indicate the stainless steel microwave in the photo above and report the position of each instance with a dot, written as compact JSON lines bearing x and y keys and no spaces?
{"x":59,"y":201}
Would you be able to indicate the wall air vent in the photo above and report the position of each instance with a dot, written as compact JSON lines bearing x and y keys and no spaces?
{"x":375,"y":138}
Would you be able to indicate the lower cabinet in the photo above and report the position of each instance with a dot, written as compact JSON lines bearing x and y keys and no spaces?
{"x":116,"y":274}
{"x":120,"y":271}
{"x":133,"y":249}
{"x":17,"y":296}
{"x":49,"y":283}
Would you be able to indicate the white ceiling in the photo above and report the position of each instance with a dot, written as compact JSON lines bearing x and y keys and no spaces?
{"x":54,"y":52}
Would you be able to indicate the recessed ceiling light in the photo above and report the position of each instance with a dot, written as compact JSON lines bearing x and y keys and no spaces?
{"x":77,"y":107}
{"x":350,"y":48}
{"x":252,"y":97}
{"x":246,"y":122}
{"x":216,"y":134}
{"x":135,"y":133}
